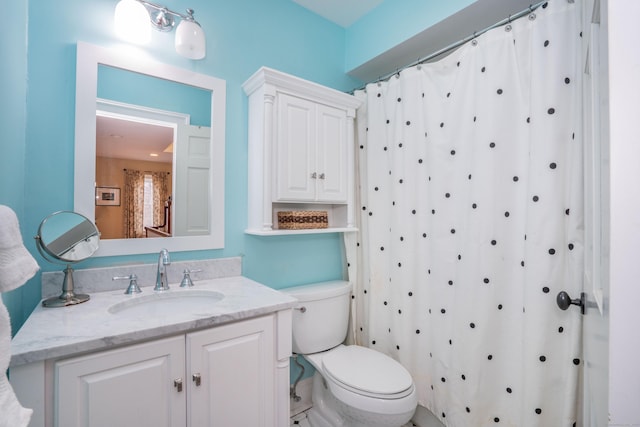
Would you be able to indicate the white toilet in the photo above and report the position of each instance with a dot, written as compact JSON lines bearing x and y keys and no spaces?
{"x":353,"y":386}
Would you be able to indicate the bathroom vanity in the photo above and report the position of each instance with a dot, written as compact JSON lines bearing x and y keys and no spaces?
{"x":214,"y":354}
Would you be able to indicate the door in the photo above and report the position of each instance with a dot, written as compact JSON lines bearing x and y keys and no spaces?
{"x":595,"y":386}
{"x":192,"y":181}
{"x":127,"y":387}
{"x":594,"y":402}
{"x":231,"y":375}
{"x":612,"y":342}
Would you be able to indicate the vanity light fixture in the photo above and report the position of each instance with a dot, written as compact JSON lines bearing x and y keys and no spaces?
{"x":132,"y":18}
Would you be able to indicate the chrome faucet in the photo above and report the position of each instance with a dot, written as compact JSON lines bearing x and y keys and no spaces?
{"x":162,"y":283}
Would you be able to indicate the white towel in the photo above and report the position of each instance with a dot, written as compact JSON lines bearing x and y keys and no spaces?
{"x":16,"y":267}
{"x":12,"y":414}
{"x":16,"y":263}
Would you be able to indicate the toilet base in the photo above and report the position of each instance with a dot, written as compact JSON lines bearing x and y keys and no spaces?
{"x":327,"y":411}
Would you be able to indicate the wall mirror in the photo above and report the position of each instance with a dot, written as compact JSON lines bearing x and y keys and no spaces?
{"x":114,"y":88}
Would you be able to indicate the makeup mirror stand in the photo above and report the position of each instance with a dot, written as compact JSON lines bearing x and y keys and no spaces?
{"x":80,"y":241}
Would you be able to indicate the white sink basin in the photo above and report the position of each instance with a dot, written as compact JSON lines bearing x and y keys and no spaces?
{"x":193,"y":302}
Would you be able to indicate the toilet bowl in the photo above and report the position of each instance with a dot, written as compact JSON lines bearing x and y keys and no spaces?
{"x":353,"y":386}
{"x":365,"y":387}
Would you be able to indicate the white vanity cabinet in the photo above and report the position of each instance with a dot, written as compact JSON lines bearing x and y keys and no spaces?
{"x":234,"y":374}
{"x":129,"y":386}
{"x":301,"y":151}
{"x":235,"y":364}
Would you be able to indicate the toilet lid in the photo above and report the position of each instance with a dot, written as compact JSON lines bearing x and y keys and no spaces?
{"x":363,"y":369}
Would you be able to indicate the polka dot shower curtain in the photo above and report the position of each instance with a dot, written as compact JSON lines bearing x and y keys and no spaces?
{"x":471,"y":222}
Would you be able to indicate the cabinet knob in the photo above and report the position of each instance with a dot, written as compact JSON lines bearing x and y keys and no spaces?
{"x":322,"y":176}
{"x":197,"y":379}
{"x":314,"y":175}
{"x":177,"y":383}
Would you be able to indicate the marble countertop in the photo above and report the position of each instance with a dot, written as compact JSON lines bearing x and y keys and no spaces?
{"x":58,"y":332}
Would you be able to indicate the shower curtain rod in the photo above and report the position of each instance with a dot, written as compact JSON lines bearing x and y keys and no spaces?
{"x":459,"y":43}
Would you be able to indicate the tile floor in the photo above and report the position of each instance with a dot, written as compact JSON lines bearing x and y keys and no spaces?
{"x":300,"y":420}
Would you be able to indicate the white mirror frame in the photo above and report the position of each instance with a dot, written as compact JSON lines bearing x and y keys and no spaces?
{"x":87,"y":61}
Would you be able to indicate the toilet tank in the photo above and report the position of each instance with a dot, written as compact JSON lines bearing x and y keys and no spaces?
{"x":321,"y":317}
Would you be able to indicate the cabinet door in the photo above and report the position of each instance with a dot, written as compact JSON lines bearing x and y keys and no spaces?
{"x":236,"y":367}
{"x":295,"y":164}
{"x":127,"y":387}
{"x":331,"y":154}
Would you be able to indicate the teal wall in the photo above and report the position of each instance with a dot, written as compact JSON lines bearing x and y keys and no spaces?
{"x":13,"y":118}
{"x":37,"y":83}
{"x":241,"y":38}
{"x":391,"y":23}
{"x":119,"y":85}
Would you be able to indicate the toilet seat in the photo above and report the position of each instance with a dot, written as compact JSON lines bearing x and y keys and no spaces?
{"x":367,"y":372}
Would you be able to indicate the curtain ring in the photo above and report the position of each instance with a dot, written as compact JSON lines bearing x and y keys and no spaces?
{"x":532,"y":17}
{"x":508,"y":28}
{"x":474,"y":41}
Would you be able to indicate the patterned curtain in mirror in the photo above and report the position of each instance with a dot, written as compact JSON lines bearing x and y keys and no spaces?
{"x":133,"y":203}
{"x":160,"y":196}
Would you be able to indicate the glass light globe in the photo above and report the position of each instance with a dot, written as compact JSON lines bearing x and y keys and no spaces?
{"x":131,"y":22}
{"x":190,"y":41}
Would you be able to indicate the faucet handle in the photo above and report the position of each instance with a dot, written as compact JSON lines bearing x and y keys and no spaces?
{"x":133,"y":284}
{"x":186,"y":279}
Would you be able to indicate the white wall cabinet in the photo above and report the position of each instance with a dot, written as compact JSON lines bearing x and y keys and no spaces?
{"x":301,"y":151}
{"x":230,"y":375}
{"x":311,"y":152}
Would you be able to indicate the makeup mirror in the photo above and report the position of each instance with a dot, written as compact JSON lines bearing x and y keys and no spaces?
{"x":67,"y":238}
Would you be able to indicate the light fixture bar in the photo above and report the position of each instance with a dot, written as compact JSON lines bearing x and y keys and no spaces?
{"x":132,"y":15}
{"x":161,"y":16}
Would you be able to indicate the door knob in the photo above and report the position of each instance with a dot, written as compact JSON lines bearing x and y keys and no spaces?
{"x":564,"y":301}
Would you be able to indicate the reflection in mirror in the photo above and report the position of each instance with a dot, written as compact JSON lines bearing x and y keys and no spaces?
{"x":139,"y":150}
{"x":67,"y":238}
{"x":117,"y":94}
{"x":134,"y":156}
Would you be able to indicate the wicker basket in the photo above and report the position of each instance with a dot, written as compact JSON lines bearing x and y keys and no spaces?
{"x":302,"y":220}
